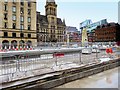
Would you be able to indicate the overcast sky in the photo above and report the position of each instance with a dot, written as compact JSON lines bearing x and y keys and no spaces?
{"x":76,"y":11}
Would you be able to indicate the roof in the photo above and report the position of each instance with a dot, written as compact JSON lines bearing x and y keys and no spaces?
{"x":50,"y":1}
{"x":71,"y":29}
{"x":112,"y":24}
{"x":43,"y":20}
{"x":59,"y":21}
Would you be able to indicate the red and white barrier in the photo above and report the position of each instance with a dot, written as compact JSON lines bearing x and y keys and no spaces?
{"x":25,"y":48}
{"x":31,"y":48}
{"x":9,"y":48}
{"x":109,"y":50}
{"x":59,"y":55}
{"x":21,"y":48}
{"x":16,"y":48}
{"x":5,"y":49}
{"x":13,"y":48}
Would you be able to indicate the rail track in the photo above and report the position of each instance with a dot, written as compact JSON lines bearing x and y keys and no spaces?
{"x":36,"y":81}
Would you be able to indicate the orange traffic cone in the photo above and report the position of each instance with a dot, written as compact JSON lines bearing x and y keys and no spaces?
{"x":110,"y":50}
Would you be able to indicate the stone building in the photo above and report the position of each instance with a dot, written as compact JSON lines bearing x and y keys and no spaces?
{"x":17,"y":23}
{"x":50,"y":28}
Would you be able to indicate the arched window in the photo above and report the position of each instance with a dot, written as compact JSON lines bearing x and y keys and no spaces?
{"x":29,"y":43}
{"x":5,"y":44}
{"x":14,"y":25}
{"x":14,"y":43}
{"x":21,"y":43}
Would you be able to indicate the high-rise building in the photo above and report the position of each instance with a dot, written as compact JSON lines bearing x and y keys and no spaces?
{"x":17,"y":23}
{"x":50,"y":28}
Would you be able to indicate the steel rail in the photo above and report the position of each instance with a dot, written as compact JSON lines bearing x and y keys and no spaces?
{"x":54,"y":75}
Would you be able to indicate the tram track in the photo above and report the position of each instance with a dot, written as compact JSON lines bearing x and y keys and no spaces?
{"x":44,"y":78}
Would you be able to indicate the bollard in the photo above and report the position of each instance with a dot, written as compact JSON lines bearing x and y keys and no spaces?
{"x":96,"y":54}
{"x":80,"y":53}
{"x":18,"y":63}
{"x":55,"y":55}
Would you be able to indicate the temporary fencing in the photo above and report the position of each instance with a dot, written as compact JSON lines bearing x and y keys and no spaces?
{"x":23,"y":61}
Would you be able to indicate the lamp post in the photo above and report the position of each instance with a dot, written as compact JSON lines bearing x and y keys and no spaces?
{"x":96,"y":53}
{"x":21,"y":24}
{"x":68,"y":39}
{"x":45,"y":39}
{"x":21,"y":43}
{"x":18,"y":57}
{"x":55,"y":55}
{"x":80,"y":56}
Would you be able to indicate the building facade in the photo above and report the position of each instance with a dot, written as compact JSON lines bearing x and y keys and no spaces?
{"x":17,"y":23}
{"x":72,"y":34}
{"x":49,"y":27}
{"x":108,"y":33}
{"x":89,"y":25}
{"x":91,"y":36}
{"x":90,"y":28}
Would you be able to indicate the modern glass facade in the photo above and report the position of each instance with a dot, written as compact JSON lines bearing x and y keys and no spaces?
{"x":90,"y":26}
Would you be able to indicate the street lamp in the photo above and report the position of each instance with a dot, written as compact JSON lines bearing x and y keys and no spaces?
{"x":80,"y":52}
{"x":21,"y":24}
{"x":68,"y":39}
{"x":55,"y":54}
{"x":20,"y":29}
{"x":45,"y":39}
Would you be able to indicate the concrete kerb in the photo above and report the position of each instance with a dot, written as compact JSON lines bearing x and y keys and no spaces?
{"x":66,"y":79}
{"x":77,"y":75}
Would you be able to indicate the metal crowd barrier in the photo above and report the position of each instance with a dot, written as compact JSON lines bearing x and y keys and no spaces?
{"x":30,"y":60}
{"x":13,"y":62}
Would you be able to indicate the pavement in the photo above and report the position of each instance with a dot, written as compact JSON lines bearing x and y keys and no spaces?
{"x":107,"y":79}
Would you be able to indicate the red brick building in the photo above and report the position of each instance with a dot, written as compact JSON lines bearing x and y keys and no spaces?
{"x":74,"y":34}
{"x":108,"y":33}
{"x":91,"y":36}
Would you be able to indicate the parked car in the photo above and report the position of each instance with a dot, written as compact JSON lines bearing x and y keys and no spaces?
{"x":74,"y":45}
{"x":95,"y":50}
{"x":86,"y":50}
{"x":103,"y":47}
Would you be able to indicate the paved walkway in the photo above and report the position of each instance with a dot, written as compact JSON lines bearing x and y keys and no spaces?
{"x":106,"y":79}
